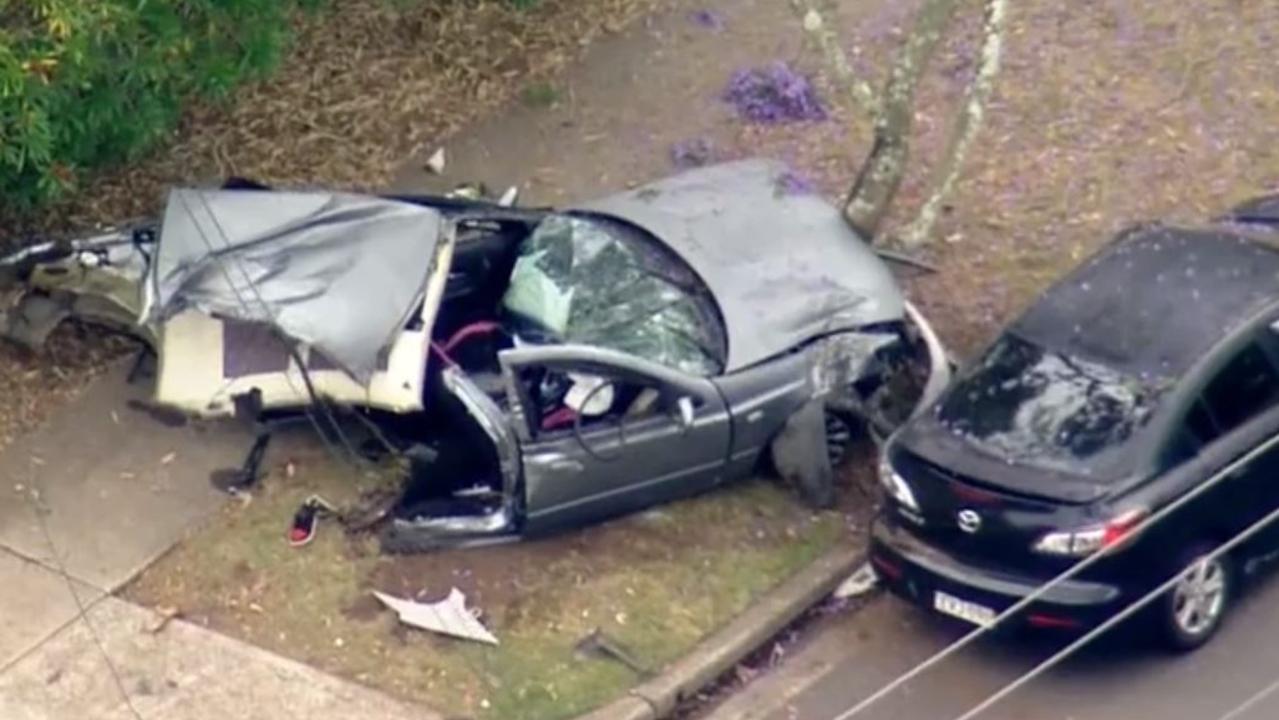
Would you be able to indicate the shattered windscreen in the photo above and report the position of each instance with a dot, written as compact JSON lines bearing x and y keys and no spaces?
{"x":1037,"y":407}
{"x":592,"y":281}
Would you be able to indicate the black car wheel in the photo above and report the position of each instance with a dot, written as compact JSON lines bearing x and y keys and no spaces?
{"x":1192,"y":611}
{"x":839,"y":437}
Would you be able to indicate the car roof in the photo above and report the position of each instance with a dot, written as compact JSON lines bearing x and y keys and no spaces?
{"x":1157,"y":298}
{"x":784,"y":266}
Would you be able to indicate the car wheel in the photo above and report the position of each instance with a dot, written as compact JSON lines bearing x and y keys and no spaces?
{"x":839,"y":437}
{"x":1193,"y":609}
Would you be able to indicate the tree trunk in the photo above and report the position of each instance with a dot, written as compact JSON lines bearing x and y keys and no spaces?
{"x":881,"y":173}
{"x":859,"y":91}
{"x":966,"y":126}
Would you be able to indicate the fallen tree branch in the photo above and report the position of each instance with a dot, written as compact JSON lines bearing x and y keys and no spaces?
{"x":966,"y":126}
{"x":907,"y":260}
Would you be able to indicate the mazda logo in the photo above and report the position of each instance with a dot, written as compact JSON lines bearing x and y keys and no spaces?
{"x":969,"y":521}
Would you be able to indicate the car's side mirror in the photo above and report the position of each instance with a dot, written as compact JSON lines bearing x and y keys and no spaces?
{"x":684,"y":412}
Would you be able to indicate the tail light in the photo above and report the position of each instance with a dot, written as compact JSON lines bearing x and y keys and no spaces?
{"x":1052,"y":622}
{"x":886,"y":567}
{"x":1086,"y":541}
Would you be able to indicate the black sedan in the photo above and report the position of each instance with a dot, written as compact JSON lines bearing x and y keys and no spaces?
{"x":1121,"y":392}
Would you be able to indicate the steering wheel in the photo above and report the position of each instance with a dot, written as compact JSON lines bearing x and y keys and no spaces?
{"x":577,"y":428}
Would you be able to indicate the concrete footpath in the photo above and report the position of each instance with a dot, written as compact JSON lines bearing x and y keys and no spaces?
{"x":89,"y":500}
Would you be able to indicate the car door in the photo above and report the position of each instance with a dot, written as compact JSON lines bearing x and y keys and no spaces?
{"x":605,"y":433}
{"x":1245,"y":385}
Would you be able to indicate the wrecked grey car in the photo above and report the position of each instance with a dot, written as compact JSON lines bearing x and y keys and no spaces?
{"x":548,"y":368}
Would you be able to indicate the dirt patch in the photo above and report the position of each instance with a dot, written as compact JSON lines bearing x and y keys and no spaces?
{"x":34,"y":385}
{"x":656,"y":582}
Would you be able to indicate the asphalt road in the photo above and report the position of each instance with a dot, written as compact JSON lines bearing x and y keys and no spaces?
{"x":1120,"y":678}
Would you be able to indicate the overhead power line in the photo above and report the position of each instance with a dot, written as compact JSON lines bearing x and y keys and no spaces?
{"x":1220,"y":475}
{"x":1252,"y":702}
{"x":1119,"y":617}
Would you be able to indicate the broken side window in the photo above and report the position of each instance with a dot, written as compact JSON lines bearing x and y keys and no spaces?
{"x":561,"y":400}
{"x":594,"y":281}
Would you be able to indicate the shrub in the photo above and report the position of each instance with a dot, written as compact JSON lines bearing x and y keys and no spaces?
{"x":89,"y":82}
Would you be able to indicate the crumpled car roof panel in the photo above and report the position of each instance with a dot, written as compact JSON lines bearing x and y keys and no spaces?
{"x":338,"y":272}
{"x":784,"y":267}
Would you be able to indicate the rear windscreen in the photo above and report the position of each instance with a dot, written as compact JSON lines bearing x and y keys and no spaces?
{"x":1037,"y":407}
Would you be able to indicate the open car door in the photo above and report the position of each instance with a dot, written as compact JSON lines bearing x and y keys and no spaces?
{"x":605,"y":433}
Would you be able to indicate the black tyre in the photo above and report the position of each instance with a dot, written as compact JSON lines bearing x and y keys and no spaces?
{"x":841,"y":433}
{"x":1192,"y":611}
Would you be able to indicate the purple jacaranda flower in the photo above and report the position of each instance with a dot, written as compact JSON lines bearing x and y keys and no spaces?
{"x":774,"y":94}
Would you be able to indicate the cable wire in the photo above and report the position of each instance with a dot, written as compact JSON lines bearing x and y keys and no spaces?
{"x":82,"y":611}
{"x":351,"y":456}
{"x":950,"y":650}
{"x":1119,"y":617}
{"x":1251,"y":702}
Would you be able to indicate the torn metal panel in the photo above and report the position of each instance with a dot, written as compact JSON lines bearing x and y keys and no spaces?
{"x":801,"y":458}
{"x":202,"y":369}
{"x":496,"y":522}
{"x":449,"y":617}
{"x":940,"y":365}
{"x":784,"y":268}
{"x":862,"y":581}
{"x":843,"y":359}
{"x":335,"y":272}
{"x":96,"y":280}
{"x":493,"y":422}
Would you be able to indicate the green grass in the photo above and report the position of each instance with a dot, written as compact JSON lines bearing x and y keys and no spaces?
{"x":540,"y":95}
{"x":656,"y":583}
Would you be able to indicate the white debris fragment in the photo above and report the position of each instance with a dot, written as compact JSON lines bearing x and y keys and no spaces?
{"x":436,"y":162}
{"x":447,"y":617}
{"x":509,"y":197}
{"x":859,"y":583}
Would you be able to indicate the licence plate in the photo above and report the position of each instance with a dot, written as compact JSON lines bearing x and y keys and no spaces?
{"x":963,"y":609}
